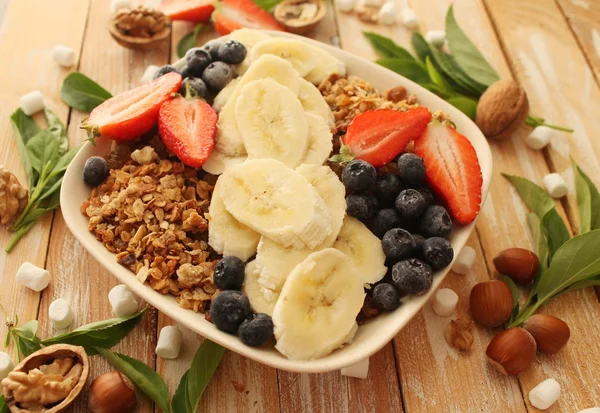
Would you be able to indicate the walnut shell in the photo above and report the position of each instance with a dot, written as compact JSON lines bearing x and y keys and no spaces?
{"x":140,"y":28}
{"x":44,"y":356}
{"x":288,"y":13}
{"x":502,"y":108}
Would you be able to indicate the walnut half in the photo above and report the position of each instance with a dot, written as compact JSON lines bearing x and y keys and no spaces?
{"x":48,"y":380}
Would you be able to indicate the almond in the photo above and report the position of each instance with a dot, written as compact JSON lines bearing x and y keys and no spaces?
{"x":502,"y":108}
{"x":519,"y":264}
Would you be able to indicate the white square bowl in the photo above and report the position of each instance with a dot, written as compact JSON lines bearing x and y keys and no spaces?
{"x":371,"y":336}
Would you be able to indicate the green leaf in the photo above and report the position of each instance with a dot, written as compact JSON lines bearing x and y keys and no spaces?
{"x":515,"y":295}
{"x":26,"y":339}
{"x":592,"y":282}
{"x":576,"y":260}
{"x":462,"y":81}
{"x":437,"y":78}
{"x":144,"y":378}
{"x":584,"y":201}
{"x":386,"y":47}
{"x":595,"y":200}
{"x":57,"y":128}
{"x":43,"y":151}
{"x":24,"y":128}
{"x":3,"y":406}
{"x":420,"y":46}
{"x":267,"y":4}
{"x":188,"y":41}
{"x":203,"y":367}
{"x":410,"y":69}
{"x":103,"y":334}
{"x":466,"y":105}
{"x":466,"y":54}
{"x":436,"y":89}
{"x":539,"y":240}
{"x":180,"y":402}
{"x":82,"y":93}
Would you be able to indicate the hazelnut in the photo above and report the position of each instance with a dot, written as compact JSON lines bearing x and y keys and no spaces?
{"x":519,"y":264}
{"x":512,"y":351}
{"x":458,"y":334}
{"x":112,"y":393}
{"x":550,"y":333}
{"x":491,"y":303}
{"x":502,"y":108}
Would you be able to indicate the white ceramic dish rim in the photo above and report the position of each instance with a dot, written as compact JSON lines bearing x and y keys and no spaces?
{"x":371,"y":336}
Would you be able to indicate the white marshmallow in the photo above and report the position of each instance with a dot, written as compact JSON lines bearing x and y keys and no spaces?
{"x":436,"y":38}
{"x":591,"y":410}
{"x":544,"y":394}
{"x":345,"y":5}
{"x":6,"y":365}
{"x":387,"y":13}
{"x":555,"y":185}
{"x":359,"y":370}
{"x":116,"y":5}
{"x":60,"y":314}
{"x":464,"y":261}
{"x":32,"y":102}
{"x":169,"y":342}
{"x":539,"y":137}
{"x":32,"y":277}
{"x":63,"y":55}
{"x":409,"y":18}
{"x":123,"y":301}
{"x":149,"y":73}
{"x":444,"y":302}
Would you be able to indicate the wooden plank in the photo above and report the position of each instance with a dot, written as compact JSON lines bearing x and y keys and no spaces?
{"x":29,"y":67}
{"x":583,"y":17}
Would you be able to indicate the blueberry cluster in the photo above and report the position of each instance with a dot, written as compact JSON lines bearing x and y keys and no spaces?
{"x":208,"y":68}
{"x":230,"y":310}
{"x":400,"y":209}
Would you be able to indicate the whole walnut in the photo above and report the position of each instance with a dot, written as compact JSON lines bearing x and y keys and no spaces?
{"x":13,"y":197}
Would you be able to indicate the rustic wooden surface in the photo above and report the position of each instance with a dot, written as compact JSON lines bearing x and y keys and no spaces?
{"x":552,"y":47}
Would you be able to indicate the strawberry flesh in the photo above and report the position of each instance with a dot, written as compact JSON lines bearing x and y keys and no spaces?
{"x":234,"y":14}
{"x":188,"y":128}
{"x":134,"y":112}
{"x":452,"y":170}
{"x":188,"y":10}
{"x":378,"y":136}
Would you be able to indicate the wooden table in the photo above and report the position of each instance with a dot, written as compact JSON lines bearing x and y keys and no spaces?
{"x":552,"y":47}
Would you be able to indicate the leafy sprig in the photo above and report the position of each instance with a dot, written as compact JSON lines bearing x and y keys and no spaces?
{"x":188,"y":40}
{"x":82,"y":93}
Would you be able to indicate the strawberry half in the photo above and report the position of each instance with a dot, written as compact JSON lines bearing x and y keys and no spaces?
{"x":188,"y":10}
{"x":378,"y":136}
{"x":231,"y":15}
{"x":188,"y":128}
{"x":452,"y":170}
{"x":134,"y":112}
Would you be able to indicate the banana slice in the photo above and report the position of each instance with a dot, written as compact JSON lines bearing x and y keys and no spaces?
{"x":226,"y":235}
{"x":276,"y":202}
{"x":312,"y":101}
{"x":272,"y":122}
{"x":248,"y":37}
{"x":252,"y":289}
{"x":224,"y":95}
{"x":316,"y":311}
{"x":320,"y":140}
{"x":294,"y":51}
{"x":363,"y":248}
{"x":326,"y":65}
{"x":218,"y":162}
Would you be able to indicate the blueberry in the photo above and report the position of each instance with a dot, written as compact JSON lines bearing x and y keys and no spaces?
{"x":386,"y":297}
{"x":232,"y":52}
{"x":197,"y":88}
{"x":410,"y":204}
{"x":397,"y":244}
{"x":217,"y":75}
{"x":411,"y":169}
{"x":95,"y":170}
{"x":437,"y":252}
{"x":412,"y":276}
{"x":186,"y":72}
{"x":419,"y":241}
{"x":385,"y":220}
{"x":256,"y":329}
{"x":212,"y":47}
{"x":228,"y":309}
{"x":164,"y":70}
{"x":361,"y":206}
{"x":359,"y":176}
{"x":229,"y":273}
{"x":436,"y":222}
{"x":197,"y":60}
{"x":427,"y":194}
{"x":387,"y":187}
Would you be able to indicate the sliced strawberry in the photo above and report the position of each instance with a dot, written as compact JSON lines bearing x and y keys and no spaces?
{"x":188,"y":128}
{"x":188,"y":10}
{"x":234,"y":14}
{"x":452,"y":170}
{"x":134,"y":112}
{"x":378,"y":136}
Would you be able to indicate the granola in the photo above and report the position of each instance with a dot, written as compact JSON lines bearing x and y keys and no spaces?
{"x":153,"y":216}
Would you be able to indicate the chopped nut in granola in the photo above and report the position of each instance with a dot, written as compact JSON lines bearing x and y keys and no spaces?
{"x":145,"y":155}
